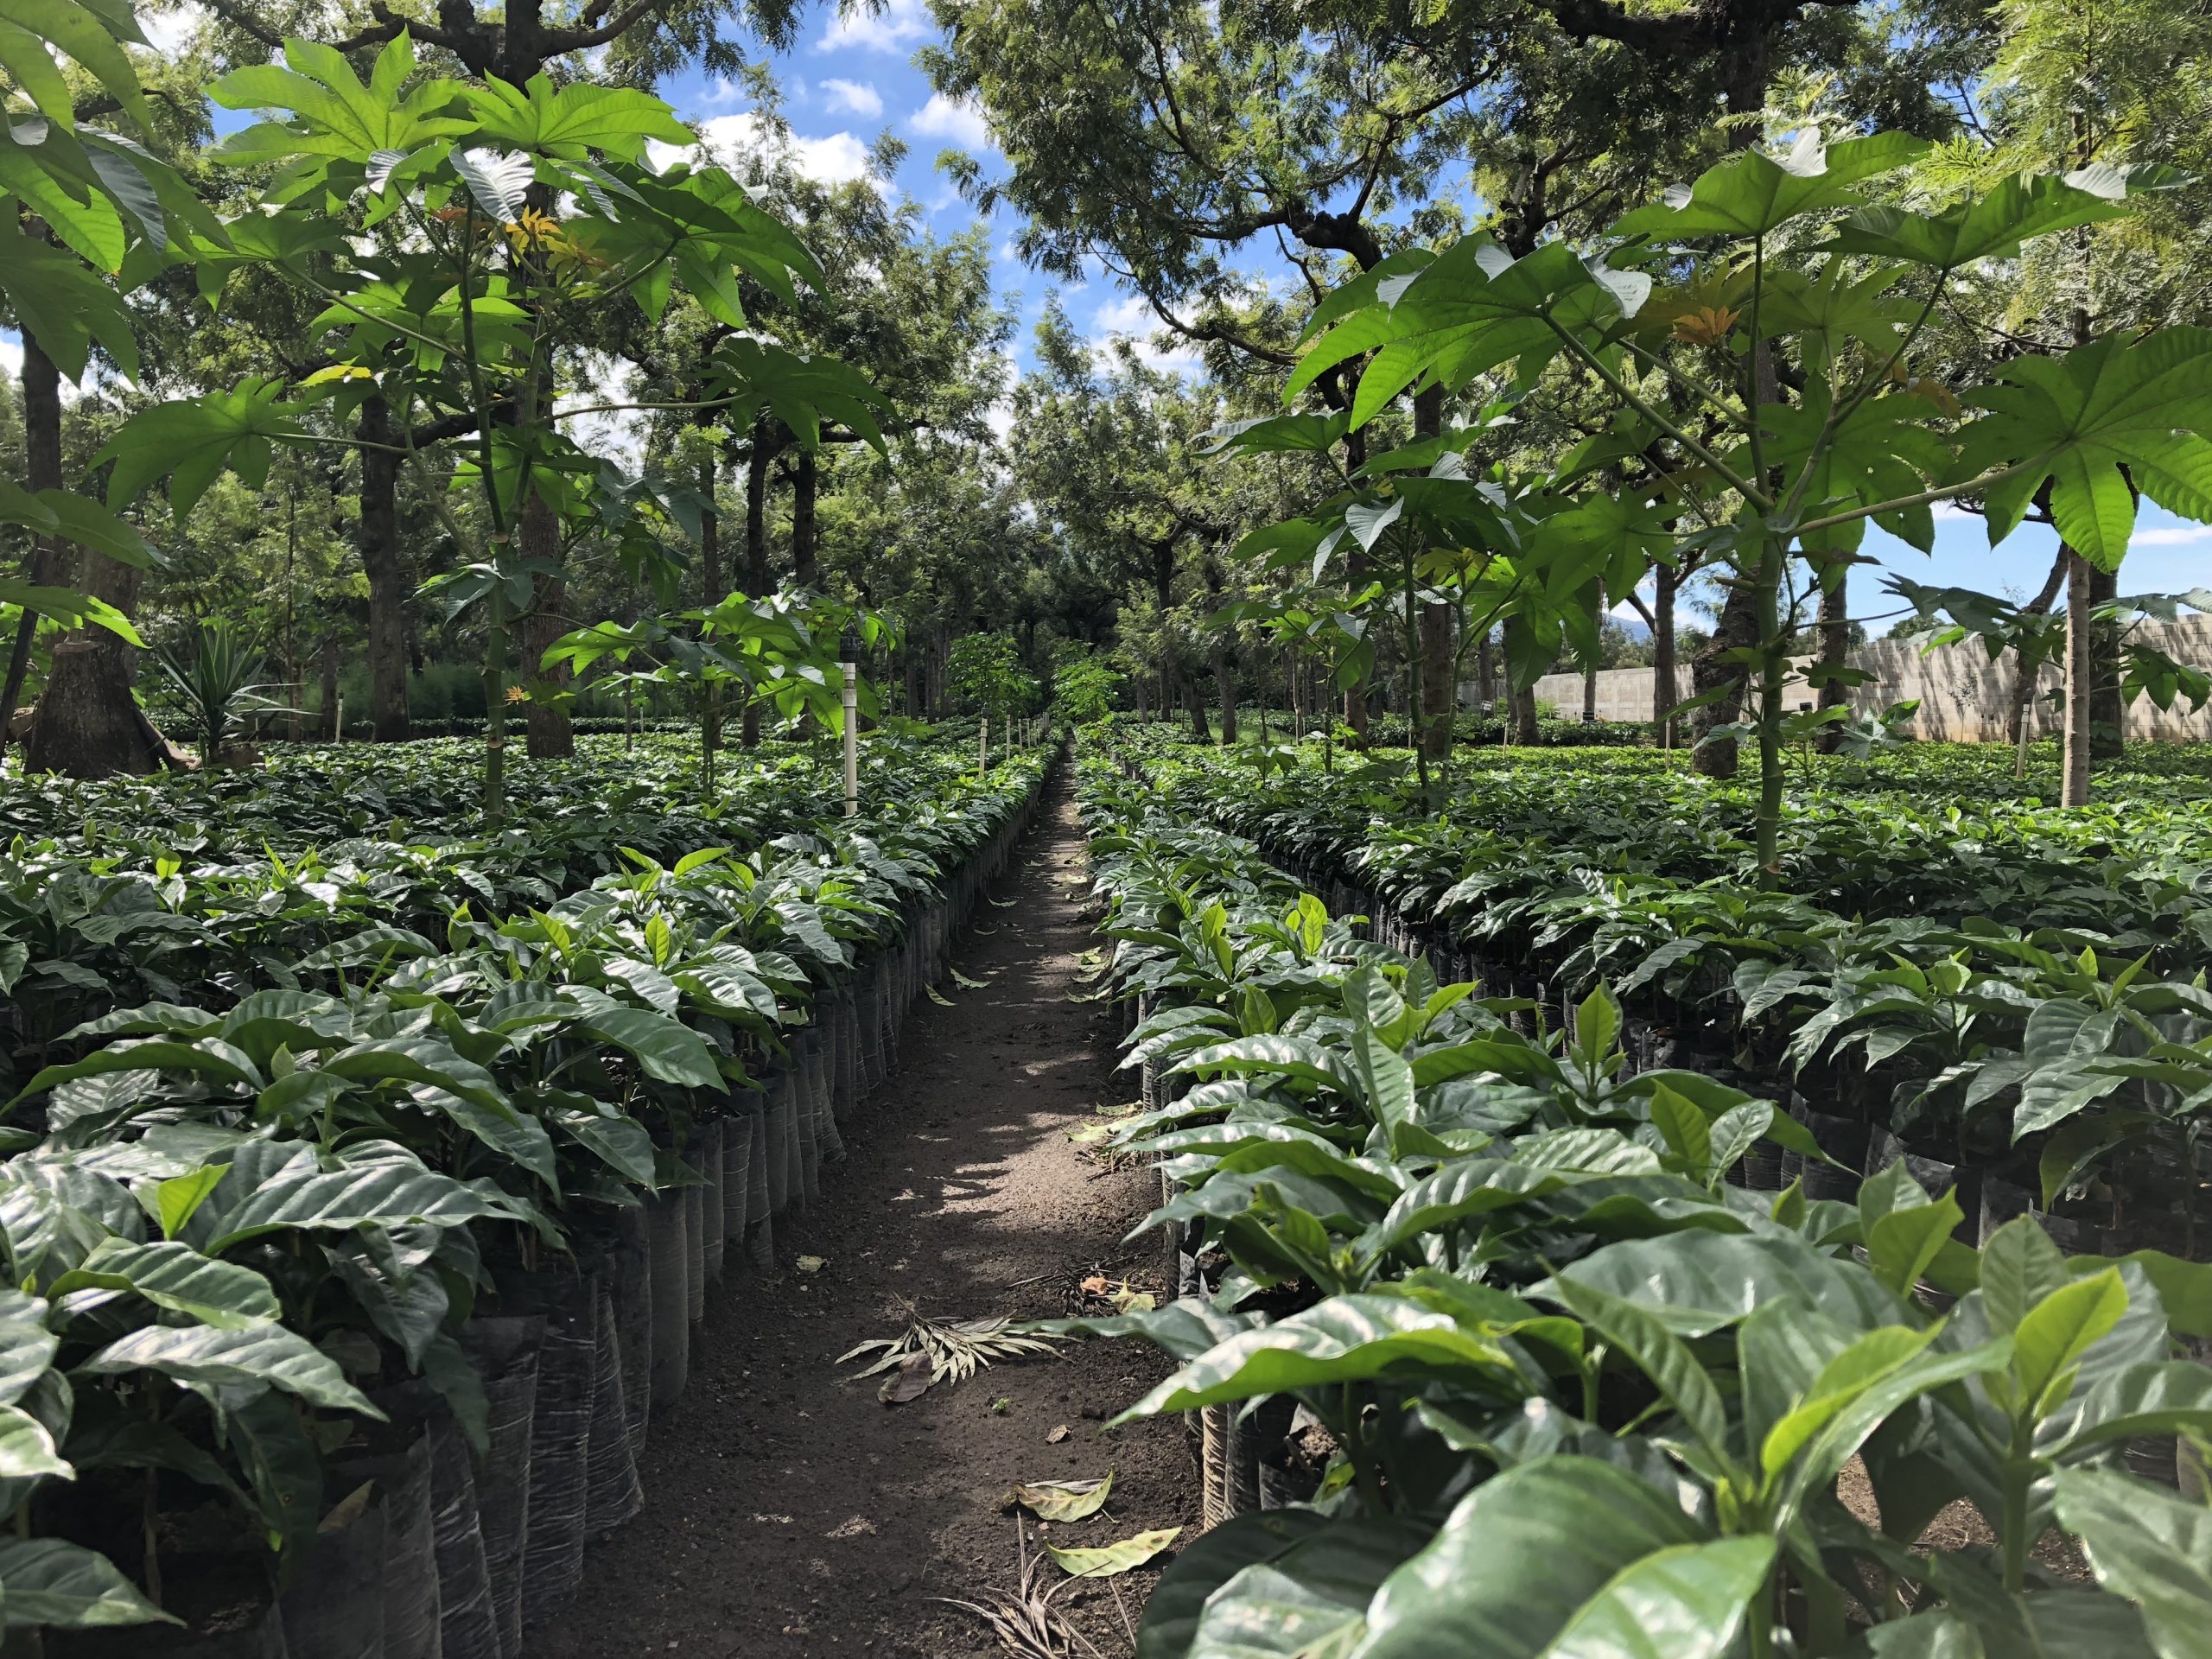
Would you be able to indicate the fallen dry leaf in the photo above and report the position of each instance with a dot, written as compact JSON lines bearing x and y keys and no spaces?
{"x":910,"y":1382}
{"x":812,"y":1264}
{"x":1115,"y":1559}
{"x":1097,"y":1285}
{"x":1056,"y":1435}
{"x":852,"y":1528}
{"x":1059,"y":1500}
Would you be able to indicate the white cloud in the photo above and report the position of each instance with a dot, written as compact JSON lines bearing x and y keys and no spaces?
{"x":837,"y":158}
{"x":960,"y":120}
{"x":1130,"y":315}
{"x":999,"y":418}
{"x":854,"y":96}
{"x":11,"y":357}
{"x":167,"y":31}
{"x":902,"y":25}
{"x":1131,"y":319}
{"x":721,"y":92}
{"x":2170,"y":536}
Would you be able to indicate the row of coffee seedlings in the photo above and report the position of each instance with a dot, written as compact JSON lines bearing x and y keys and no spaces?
{"x":2038,"y":1066}
{"x":1573,"y":1390}
{"x":278,"y":1260}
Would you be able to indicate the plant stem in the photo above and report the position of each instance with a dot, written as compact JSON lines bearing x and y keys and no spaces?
{"x":2020,"y":1472}
{"x":1364,"y":1472}
{"x":1774,"y":668}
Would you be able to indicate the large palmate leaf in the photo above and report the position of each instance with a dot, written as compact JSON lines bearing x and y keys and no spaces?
{"x":334,"y":116}
{"x":92,"y":36}
{"x":1753,"y":193}
{"x":1470,"y":309}
{"x":1521,"y":1558}
{"x":75,"y":519}
{"x":269,"y":1354}
{"x":1989,"y":227}
{"x":498,"y":179}
{"x":574,"y":120}
{"x":65,"y":306}
{"x":806,"y":393}
{"x":191,"y":441}
{"x":2120,"y":410}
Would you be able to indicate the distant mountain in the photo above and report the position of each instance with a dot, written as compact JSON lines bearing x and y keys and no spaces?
{"x":1633,"y":625}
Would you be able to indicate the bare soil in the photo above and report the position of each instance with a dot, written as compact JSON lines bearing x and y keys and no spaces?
{"x":787,"y":1512}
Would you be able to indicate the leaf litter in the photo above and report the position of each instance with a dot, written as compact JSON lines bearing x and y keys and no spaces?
{"x":1114,"y":1559}
{"x":929,"y":1351}
{"x":1059,"y":1500}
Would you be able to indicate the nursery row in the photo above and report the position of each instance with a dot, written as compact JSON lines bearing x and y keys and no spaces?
{"x":1553,"y":1384}
{"x":2055,"y":1060}
{"x":429,"y":1145}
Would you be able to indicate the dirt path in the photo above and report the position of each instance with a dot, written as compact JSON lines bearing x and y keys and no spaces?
{"x":786,"y":1510}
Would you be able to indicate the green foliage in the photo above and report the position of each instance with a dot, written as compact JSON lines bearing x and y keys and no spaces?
{"x":1691,"y":308}
{"x":1085,"y":687}
{"x":985,"y":671}
{"x":1582,"y":1396}
{"x":455,"y":1039}
{"x":220,"y":682}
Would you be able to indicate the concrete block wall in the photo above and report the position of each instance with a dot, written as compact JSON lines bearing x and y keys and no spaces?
{"x":1963,"y":696}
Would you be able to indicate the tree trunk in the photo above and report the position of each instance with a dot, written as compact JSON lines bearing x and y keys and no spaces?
{"x":2075,"y":792}
{"x":2024,"y":677}
{"x":1521,"y":698}
{"x":1439,"y":696}
{"x":806,"y":570}
{"x":376,"y":533}
{"x":1486,"y":674}
{"x":41,"y":471}
{"x":1589,"y":696}
{"x":756,"y":555}
{"x":549,"y":735}
{"x":1738,"y":629}
{"x":1834,"y":631}
{"x":2108,"y":711}
{"x":1224,"y":680}
{"x":1195,"y":706}
{"x":1665,"y":672}
{"x":331,"y":730}
{"x":89,"y":724}
{"x":713,"y":587}
{"x":1433,"y":692}
{"x":1525,"y":731}
{"x":1357,"y":571}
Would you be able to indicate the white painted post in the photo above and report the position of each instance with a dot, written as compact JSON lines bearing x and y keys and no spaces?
{"x":983,"y":745}
{"x":852,"y":739}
